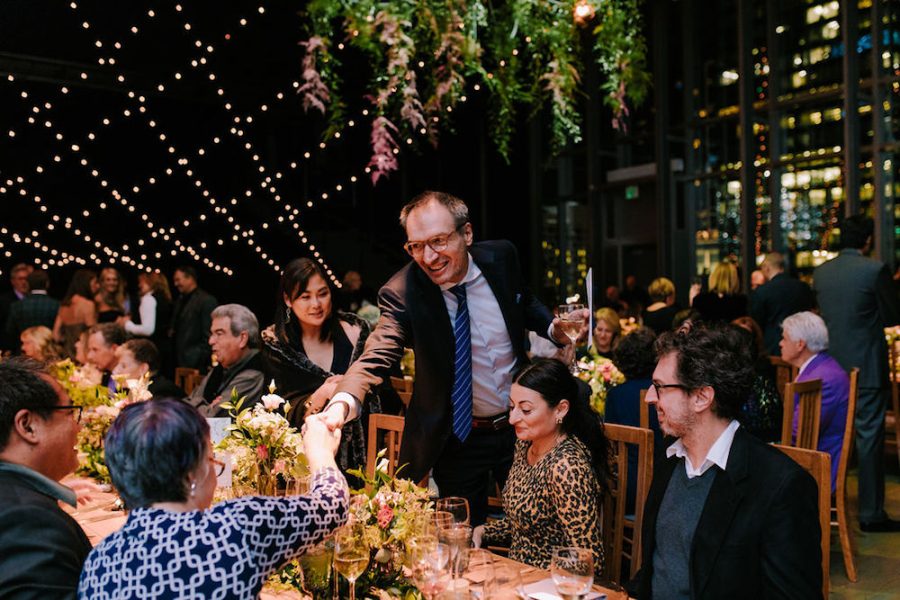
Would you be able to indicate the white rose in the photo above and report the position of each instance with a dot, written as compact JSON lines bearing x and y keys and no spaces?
{"x":272,"y":401}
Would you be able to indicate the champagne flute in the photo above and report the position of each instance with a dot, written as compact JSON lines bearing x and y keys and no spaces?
{"x":571,"y":321}
{"x":572,"y":570}
{"x":351,"y":556}
{"x":456,"y":506}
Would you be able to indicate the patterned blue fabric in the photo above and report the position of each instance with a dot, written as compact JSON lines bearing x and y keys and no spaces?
{"x":225,"y":552}
{"x":462,"y":379}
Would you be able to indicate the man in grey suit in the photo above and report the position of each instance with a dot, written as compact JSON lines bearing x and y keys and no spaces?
{"x":857,"y":299}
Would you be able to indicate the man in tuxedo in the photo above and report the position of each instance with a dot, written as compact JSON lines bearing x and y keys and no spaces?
{"x":42,"y":548}
{"x":18,"y":278}
{"x":727,"y":516}
{"x":37,"y":308}
{"x":857,"y":299}
{"x":464,"y":310}
{"x":780,"y":297}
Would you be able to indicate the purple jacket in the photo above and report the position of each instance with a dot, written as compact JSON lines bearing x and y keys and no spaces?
{"x":835,"y":394}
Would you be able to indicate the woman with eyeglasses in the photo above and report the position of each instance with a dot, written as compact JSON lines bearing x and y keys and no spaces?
{"x":173,"y":543}
{"x":310,"y":347}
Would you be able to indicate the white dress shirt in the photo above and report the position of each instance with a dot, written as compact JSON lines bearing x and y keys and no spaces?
{"x":806,"y":364}
{"x":717,"y":455}
{"x":148,"y":317}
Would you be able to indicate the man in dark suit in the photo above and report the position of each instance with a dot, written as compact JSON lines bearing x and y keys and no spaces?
{"x":464,"y":310}
{"x":37,"y":308}
{"x":42,"y":548}
{"x":18,"y":278}
{"x":780,"y":297}
{"x":727,"y":516}
{"x":191,"y":320}
{"x":857,"y":299}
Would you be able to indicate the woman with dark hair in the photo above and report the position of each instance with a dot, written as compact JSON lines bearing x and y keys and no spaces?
{"x":554,"y":491}
{"x":173,"y":544}
{"x":77,"y":311}
{"x":761,"y":413}
{"x":310,"y":347}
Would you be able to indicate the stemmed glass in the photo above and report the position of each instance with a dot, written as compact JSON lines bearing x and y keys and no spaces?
{"x":429,"y":569}
{"x":315,"y":565}
{"x":480,"y":572}
{"x":351,"y":555}
{"x":571,"y":321}
{"x":507,"y":584}
{"x":572,"y":570}
{"x":456,"y":506}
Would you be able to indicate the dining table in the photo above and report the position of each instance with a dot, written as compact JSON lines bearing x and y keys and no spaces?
{"x":102,"y":515}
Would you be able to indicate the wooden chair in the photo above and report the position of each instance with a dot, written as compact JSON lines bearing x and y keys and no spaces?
{"x":840,"y":517}
{"x":785,"y":372}
{"x":404,"y":388}
{"x":187,"y":379}
{"x":818,"y":464}
{"x":892,"y":418}
{"x":645,"y":410}
{"x":386,"y":432}
{"x":615,"y":522}
{"x":809,"y":395}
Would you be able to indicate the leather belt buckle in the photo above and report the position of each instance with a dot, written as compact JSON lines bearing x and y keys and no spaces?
{"x":500,"y":421}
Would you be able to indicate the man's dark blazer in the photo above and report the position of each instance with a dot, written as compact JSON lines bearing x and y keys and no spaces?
{"x":31,"y":311}
{"x":42,"y":549}
{"x":413,"y":314}
{"x":191,"y":322}
{"x":758,"y":535}
{"x":857,"y":299}
{"x":7,"y":299}
{"x":776,"y":300}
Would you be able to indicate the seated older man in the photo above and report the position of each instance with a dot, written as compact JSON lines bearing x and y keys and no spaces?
{"x":804,"y":341}
{"x":102,"y":342}
{"x":42,"y":548}
{"x":234,"y":339}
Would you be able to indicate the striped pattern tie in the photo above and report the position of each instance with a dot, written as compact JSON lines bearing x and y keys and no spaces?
{"x":462,"y":374}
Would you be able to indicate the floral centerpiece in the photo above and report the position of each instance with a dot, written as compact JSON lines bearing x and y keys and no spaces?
{"x":601,"y":374}
{"x":262,"y":443}
{"x":892,"y":335}
{"x":83,"y":384}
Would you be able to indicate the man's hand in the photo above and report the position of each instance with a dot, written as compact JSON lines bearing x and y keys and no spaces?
{"x":334,"y":415}
{"x":320,"y":397}
{"x":561,"y":338}
{"x":319,"y":442}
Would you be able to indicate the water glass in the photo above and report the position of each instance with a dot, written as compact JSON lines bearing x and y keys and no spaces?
{"x":430,"y":569}
{"x":456,"y":506}
{"x":480,"y":572}
{"x":458,"y":538}
{"x":572,"y":570}
{"x":315,"y":565}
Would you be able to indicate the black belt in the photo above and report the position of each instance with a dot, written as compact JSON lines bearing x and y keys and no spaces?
{"x":495,"y":423}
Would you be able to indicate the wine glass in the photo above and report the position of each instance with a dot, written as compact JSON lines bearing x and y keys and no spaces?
{"x":456,"y":506}
{"x":315,"y":565}
{"x":480,"y":572}
{"x":429,"y":569}
{"x":572,"y":570}
{"x":351,"y":555}
{"x":571,"y":321}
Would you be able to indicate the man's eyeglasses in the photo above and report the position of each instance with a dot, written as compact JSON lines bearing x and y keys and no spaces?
{"x":659,"y":387}
{"x":220,"y":466}
{"x":72,"y":407}
{"x":437,"y":243}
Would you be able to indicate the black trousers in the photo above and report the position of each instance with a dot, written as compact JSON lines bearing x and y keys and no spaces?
{"x":463,"y":468}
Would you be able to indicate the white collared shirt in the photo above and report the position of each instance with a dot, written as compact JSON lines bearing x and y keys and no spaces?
{"x":806,"y":364}
{"x":717,"y":455}
{"x":493,"y":358}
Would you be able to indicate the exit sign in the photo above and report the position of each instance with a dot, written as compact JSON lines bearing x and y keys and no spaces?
{"x":631,"y":192}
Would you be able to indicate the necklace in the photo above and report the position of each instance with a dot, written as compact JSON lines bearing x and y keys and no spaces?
{"x":535,"y":457}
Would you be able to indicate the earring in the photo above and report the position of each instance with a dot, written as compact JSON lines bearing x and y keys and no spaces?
{"x":559,"y":421}
{"x":193,"y":488}
{"x":287,"y":313}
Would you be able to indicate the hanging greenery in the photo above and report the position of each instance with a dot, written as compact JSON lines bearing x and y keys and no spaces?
{"x":426,"y":54}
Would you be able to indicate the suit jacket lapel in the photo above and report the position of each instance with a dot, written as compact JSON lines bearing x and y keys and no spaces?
{"x":435,"y":310}
{"x":715,"y":522}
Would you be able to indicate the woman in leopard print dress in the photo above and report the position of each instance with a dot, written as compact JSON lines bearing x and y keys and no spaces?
{"x":555,"y":487}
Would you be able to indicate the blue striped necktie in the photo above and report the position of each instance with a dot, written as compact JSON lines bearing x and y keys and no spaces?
{"x":462,"y":374}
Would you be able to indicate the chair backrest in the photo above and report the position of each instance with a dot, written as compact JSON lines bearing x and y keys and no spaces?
{"x":187,"y":379}
{"x":785,"y":372}
{"x":404,"y":388}
{"x":847,"y":444}
{"x":809,"y":395}
{"x":385,"y":431}
{"x":620,"y":438}
{"x":645,"y":411}
{"x":818,"y":464}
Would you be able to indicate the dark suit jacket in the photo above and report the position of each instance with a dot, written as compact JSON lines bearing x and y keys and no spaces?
{"x":776,"y":300}
{"x":413,"y":314}
{"x":31,"y":311}
{"x":42,"y":548}
{"x":758,"y":535}
{"x":191,"y":322}
{"x":857,"y":300}
{"x":7,"y":299}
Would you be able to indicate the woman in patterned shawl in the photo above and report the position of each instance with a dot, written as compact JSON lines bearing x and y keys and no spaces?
{"x":310,"y":347}
{"x":555,"y":487}
{"x":174,"y":545}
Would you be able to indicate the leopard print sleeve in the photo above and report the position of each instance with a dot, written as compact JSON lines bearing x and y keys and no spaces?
{"x":576,"y":494}
{"x":497,"y":533}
